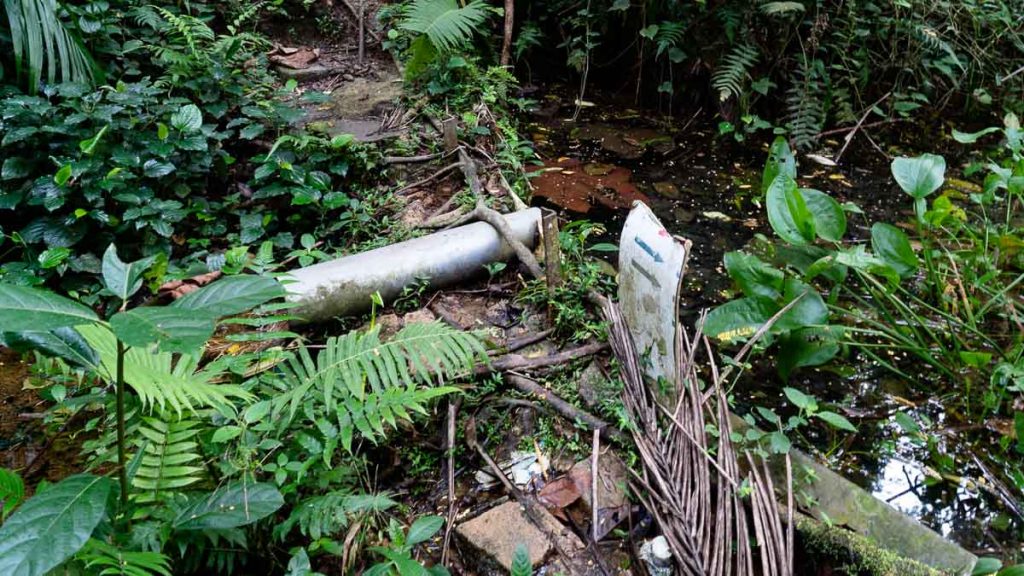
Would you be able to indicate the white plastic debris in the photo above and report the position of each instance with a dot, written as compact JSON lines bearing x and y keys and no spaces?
{"x":656,"y":554}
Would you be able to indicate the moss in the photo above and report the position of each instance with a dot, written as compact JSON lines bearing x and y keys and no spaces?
{"x":833,"y":550}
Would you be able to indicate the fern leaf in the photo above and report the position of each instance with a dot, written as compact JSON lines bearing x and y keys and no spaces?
{"x":102,"y":558}
{"x":369,"y":383}
{"x":444,"y":22}
{"x":521,"y":565}
{"x":805,"y":114}
{"x":730,"y":77}
{"x":326,"y":514}
{"x":161,"y":380}
{"x":170,"y":458}
{"x":782,"y":8}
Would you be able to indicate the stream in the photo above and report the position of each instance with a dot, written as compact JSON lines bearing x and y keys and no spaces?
{"x":704,"y":187}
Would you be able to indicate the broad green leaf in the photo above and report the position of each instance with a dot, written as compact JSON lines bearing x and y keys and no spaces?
{"x":788,"y":213}
{"x":801,"y":400}
{"x":405,"y":565}
{"x":230,"y":506}
{"x":187,"y":119}
{"x":836,"y":421}
{"x":231,"y":295}
{"x":753,"y":276}
{"x":972,"y":137}
{"x":806,"y":347}
{"x":24,"y":309}
{"x":1017,"y":570}
{"x":53,"y":257}
{"x":907,"y":423}
{"x":123,"y":279}
{"x":986,"y":566}
{"x":225,"y":433}
{"x":64,"y":343}
{"x":52,"y":525}
{"x":423,"y":529}
{"x":919,"y":176}
{"x":779,"y":443}
{"x":780,"y":161}
{"x":828,"y":215}
{"x":858,"y":258}
{"x":892,"y":245}
{"x":174,"y":330}
{"x":157,"y":169}
{"x":739,"y":319}
{"x":809,"y":311}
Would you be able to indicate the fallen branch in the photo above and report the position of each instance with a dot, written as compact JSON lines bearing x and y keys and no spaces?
{"x":412,"y":159}
{"x":524,"y":341}
{"x":567,"y":410}
{"x":518,"y":362}
{"x":860,"y":123}
{"x":433,"y":176}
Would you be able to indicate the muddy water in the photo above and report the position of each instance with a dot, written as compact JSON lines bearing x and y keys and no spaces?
{"x":704,"y":188}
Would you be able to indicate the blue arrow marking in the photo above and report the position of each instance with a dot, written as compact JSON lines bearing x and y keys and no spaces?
{"x":650,"y":251}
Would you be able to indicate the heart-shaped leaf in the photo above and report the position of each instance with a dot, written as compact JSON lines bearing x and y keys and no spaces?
{"x":739,"y":319}
{"x":753,"y":276}
{"x":123,"y":279}
{"x":892,"y":245}
{"x":919,"y":176}
{"x":829,"y":217}
{"x":787,"y":211}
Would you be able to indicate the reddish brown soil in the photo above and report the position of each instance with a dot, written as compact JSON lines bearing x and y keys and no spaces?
{"x":577,"y":187}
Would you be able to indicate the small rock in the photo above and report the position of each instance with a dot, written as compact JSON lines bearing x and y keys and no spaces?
{"x":598,"y":169}
{"x":656,"y":554}
{"x":715,"y":215}
{"x":389,"y":325}
{"x":591,"y":381}
{"x":421,"y":316}
{"x":612,"y":503}
{"x":495,"y":534}
{"x":667,"y":189}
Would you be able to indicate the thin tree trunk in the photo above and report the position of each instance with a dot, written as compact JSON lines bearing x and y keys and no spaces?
{"x":506,"y":46}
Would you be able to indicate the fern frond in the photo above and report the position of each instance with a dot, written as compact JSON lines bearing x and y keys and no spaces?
{"x":369,"y":383}
{"x":444,"y":22}
{"x":106,"y":560}
{"x":147,"y":16}
{"x":160,"y":380}
{"x":170,"y":458}
{"x":805,"y":107}
{"x":669,"y":35}
{"x":191,"y":30}
{"x":734,"y":71}
{"x":326,"y":514}
{"x":782,"y":8}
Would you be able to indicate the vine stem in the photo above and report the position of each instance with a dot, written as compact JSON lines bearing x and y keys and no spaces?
{"x":122,"y":467}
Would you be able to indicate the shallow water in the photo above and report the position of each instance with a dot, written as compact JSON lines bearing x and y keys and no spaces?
{"x":703,"y":188}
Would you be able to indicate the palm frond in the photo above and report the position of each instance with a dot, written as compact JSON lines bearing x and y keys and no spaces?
{"x":39,"y":37}
{"x":369,"y":383}
{"x":161,"y":380}
{"x":444,"y":22}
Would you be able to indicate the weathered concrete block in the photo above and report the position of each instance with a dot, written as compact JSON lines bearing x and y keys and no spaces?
{"x":495,"y":534}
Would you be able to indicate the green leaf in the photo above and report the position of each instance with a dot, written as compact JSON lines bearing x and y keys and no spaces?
{"x":836,"y":421}
{"x":24,"y":309}
{"x":829,"y":218}
{"x":780,"y":161}
{"x":1017,"y":570}
{"x":919,"y":176}
{"x":986,"y":566}
{"x":423,"y":529}
{"x":806,"y":347}
{"x":892,"y":245}
{"x":52,"y":525}
{"x":175,"y":331}
{"x":53,"y":257}
{"x":187,"y":119}
{"x":801,"y":400}
{"x":231,"y":295}
{"x":89,"y":146}
{"x":405,"y":564}
{"x":739,"y":319}
{"x":64,"y":342}
{"x":779,"y":443}
{"x":231,"y":506}
{"x":157,"y":169}
{"x":12,"y":492}
{"x":63,"y":175}
{"x":753,"y":276}
{"x":971,"y":138}
{"x":161,"y":131}
{"x":225,"y":433}
{"x":788,"y":213}
{"x":809,"y":311}
{"x":121,"y":279}
{"x":447,"y":24}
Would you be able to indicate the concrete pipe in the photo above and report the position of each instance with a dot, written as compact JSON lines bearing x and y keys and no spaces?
{"x":344,"y":286}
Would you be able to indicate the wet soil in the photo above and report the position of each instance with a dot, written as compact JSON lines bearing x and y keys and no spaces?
{"x":705,"y":187}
